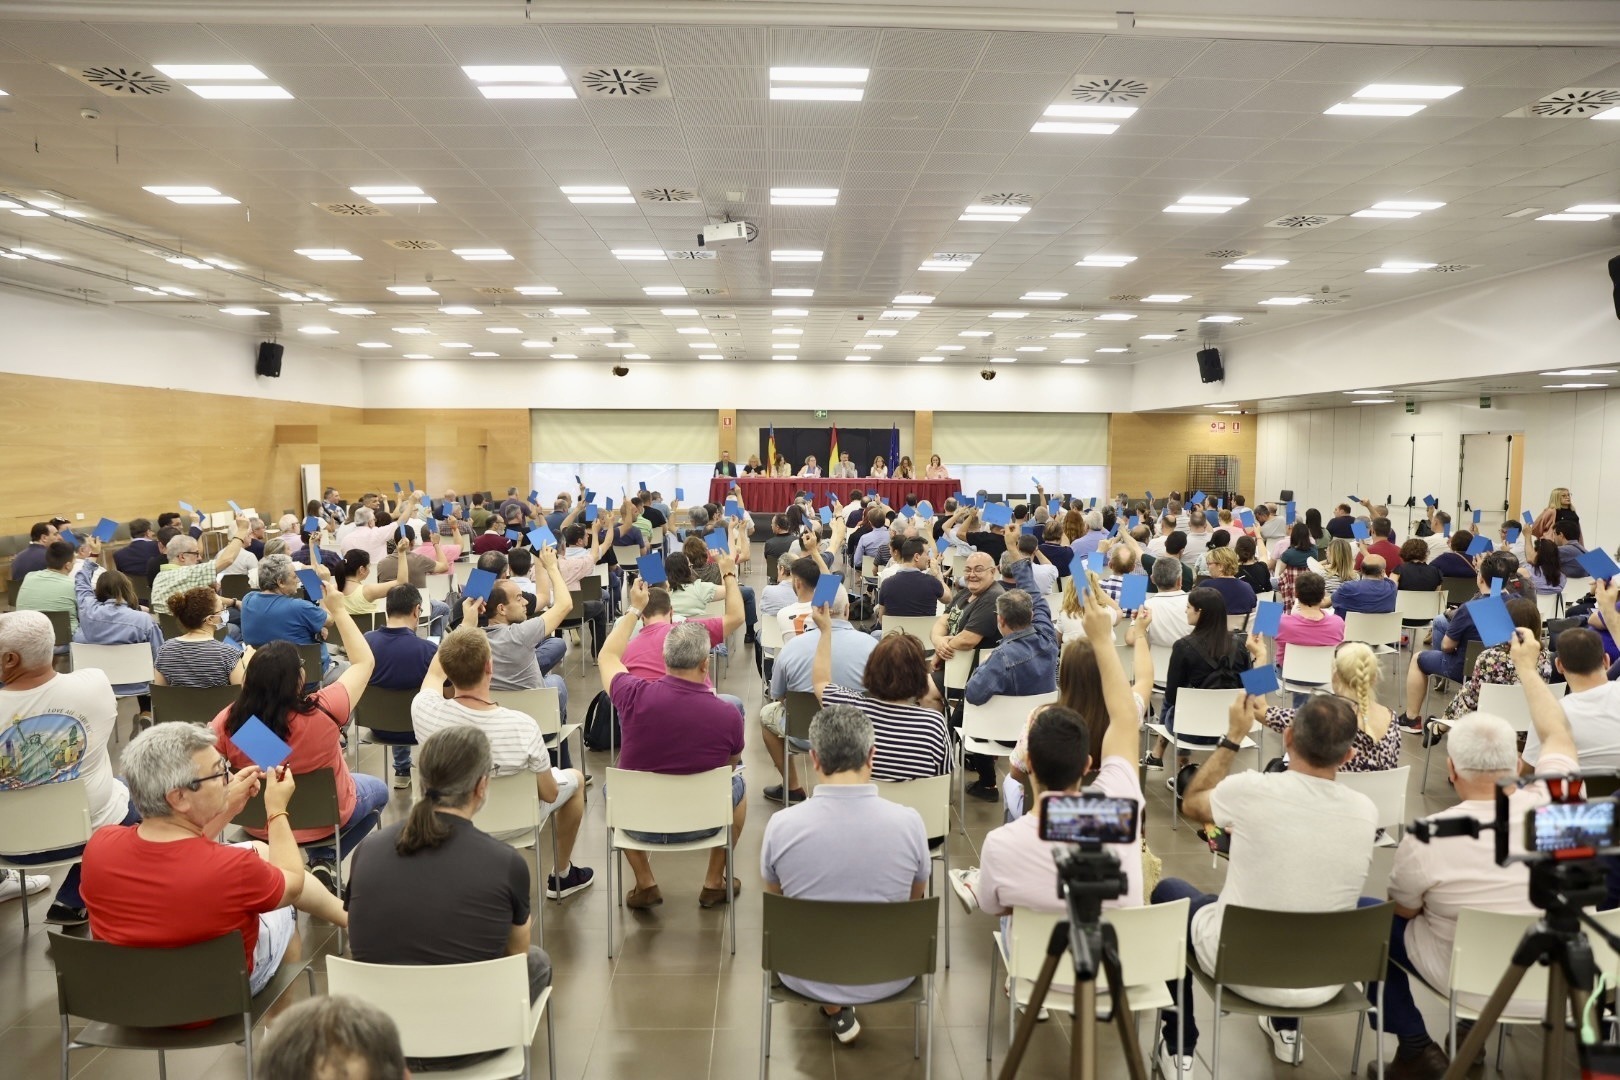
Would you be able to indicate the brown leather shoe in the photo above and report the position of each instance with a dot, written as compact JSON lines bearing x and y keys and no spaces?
{"x":1429,"y":1065}
{"x":710,"y":897}
{"x":641,"y":899}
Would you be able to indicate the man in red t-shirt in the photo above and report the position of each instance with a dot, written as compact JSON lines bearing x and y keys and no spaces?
{"x":166,"y":883}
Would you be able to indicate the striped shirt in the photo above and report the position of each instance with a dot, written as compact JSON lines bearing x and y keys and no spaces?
{"x":196,"y":663}
{"x":515,"y":742}
{"x":910,"y":740}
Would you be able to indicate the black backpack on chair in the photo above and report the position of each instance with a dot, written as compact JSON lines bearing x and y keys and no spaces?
{"x":601,"y":723}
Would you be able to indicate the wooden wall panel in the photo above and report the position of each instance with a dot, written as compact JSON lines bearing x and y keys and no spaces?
{"x":1148,"y":451}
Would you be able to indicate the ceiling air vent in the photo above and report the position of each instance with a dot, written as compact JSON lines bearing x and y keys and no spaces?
{"x":694,"y":255}
{"x":1322,"y":301}
{"x":1451,"y":268}
{"x":720,"y":315}
{"x":953,"y":256}
{"x":1127,"y":298}
{"x":705,"y":292}
{"x":1006,"y":198}
{"x":115,"y":81}
{"x":344,"y":209}
{"x":1575,"y":101}
{"x":1073,"y":319}
{"x":416,"y":245}
{"x":625,"y":82}
{"x":1109,"y":90}
{"x":495,"y":290}
{"x":667,"y":194}
{"x":1303,"y":221}
{"x":1225,"y":253}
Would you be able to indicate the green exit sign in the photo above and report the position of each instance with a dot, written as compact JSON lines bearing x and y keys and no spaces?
{"x":821,"y":414}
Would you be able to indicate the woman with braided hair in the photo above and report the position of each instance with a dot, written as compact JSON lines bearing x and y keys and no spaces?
{"x":1377,"y":743}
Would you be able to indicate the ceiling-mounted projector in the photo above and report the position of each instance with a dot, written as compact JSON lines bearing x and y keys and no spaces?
{"x":718,"y":231}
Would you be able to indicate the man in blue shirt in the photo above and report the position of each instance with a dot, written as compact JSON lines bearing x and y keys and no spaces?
{"x":402,"y":661}
{"x":1025,"y":660}
{"x":1372,"y":592}
{"x":275,"y":612}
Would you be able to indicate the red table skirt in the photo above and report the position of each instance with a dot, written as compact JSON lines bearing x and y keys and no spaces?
{"x":774,"y":494}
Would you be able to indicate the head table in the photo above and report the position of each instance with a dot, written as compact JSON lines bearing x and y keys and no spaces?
{"x":771,"y":494}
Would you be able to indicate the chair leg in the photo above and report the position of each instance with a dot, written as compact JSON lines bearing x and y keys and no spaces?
{"x":916,"y":1028}
{"x":990,"y":1013}
{"x":928,"y":1032}
{"x":607,"y":870}
{"x":731,"y":899}
{"x":64,"y":1052}
{"x":945,"y":883}
{"x":163,"y":1064}
{"x":765,"y":1029}
{"x":551,"y":1042}
{"x":1215,"y":1046}
{"x":22,"y":897}
{"x":1379,"y":1031}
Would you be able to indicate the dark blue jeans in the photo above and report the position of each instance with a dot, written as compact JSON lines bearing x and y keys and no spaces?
{"x":1401,"y":1015}
{"x":1168,"y":891}
{"x":68,"y":893}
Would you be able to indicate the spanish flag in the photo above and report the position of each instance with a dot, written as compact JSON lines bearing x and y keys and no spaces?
{"x":832,"y":456}
{"x":770,"y":449}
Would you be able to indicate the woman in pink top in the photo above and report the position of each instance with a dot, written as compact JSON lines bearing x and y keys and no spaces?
{"x":273,"y":692}
{"x":1308,"y":624}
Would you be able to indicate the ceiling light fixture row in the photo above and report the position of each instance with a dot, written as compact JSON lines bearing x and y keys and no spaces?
{"x":818,"y":83}
{"x":1390,"y":99}
{"x":225,"y":82}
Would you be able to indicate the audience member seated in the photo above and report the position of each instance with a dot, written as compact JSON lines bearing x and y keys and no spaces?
{"x":1591,"y":705}
{"x":1415,"y":573}
{"x":525,"y":653}
{"x":360,"y":591}
{"x":1431,"y":883}
{"x":133,"y":558}
{"x":1372,"y":593}
{"x":1311,"y":622}
{"x":875,"y":542}
{"x":1455,"y":563}
{"x":969,"y":621}
{"x":50,"y":588}
{"x":1382,"y":545}
{"x":1208,"y":658}
{"x":1300,"y":842}
{"x":275,"y":612}
{"x":464,"y":659}
{"x":793,"y":673}
{"x":916,"y":587}
{"x":1447,"y":660}
{"x":1543,"y":568}
{"x":1222,"y":563}
{"x":40,"y":536}
{"x":55,"y":717}
{"x":845,"y":844}
{"x":1342,"y":524}
{"x":434,"y":888}
{"x":675,"y":725}
{"x":197,"y":659}
{"x":1168,"y":603}
{"x":687,"y":595}
{"x":273,"y":692}
{"x":1566,"y":533}
{"x":1495,"y":666}
{"x":166,"y":883}
{"x":418,"y":565}
{"x":1337,"y":565}
{"x":1377,"y":744}
{"x":186,"y":568}
{"x":332,"y":1037}
{"x":110,"y":614}
{"x":644,"y":656}
{"x":400,"y":662}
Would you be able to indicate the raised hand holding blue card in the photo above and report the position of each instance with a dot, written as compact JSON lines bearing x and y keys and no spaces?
{"x":1096,"y":561}
{"x":1491,"y":619}
{"x":1267,"y":618}
{"x":590,"y":512}
{"x":826,"y":515}
{"x":312,"y":524}
{"x":312,"y":584}
{"x":104,"y":529}
{"x":718,"y":541}
{"x":262,"y":746}
{"x":479,"y":584}
{"x":827,"y":586}
{"x":651,"y":569}
{"x":1600,"y":564}
{"x":541,"y":536}
{"x":1132,"y":591}
{"x":1359,"y":530}
{"x":1479,"y":545}
{"x":1259,"y":681}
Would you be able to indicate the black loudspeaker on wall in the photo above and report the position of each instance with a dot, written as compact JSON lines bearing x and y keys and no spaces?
{"x":1614,"y":276}
{"x":1210,"y":368}
{"x":269,"y":360}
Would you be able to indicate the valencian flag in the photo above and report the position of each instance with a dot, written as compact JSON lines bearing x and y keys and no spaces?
{"x":832,"y":456}
{"x":770,"y":449}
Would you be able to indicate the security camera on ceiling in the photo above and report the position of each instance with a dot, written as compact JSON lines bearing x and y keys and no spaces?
{"x":719,"y":231}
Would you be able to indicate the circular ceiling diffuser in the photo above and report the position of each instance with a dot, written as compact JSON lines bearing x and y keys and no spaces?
{"x":1111,"y":91}
{"x":620,"y":82}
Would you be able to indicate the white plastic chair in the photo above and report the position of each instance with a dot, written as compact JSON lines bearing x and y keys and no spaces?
{"x":667,"y":803}
{"x":445,"y":1010}
{"x":511,"y":814}
{"x":930,"y":796}
{"x":920,"y":627}
{"x":461,"y":571}
{"x":1508,"y":702}
{"x":1381,"y":632}
{"x":1387,"y":790}
{"x":122,"y":663}
{"x":1200,"y":714}
{"x":1418,"y":609}
{"x":985,"y":728}
{"x":770,"y":643}
{"x":544,"y":705}
{"x":44,"y":818}
{"x":1307,"y":669}
{"x":438,"y":587}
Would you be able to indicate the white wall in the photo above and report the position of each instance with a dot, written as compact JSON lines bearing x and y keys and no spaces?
{"x":1570,"y":440}
{"x":1555,"y":317}
{"x":64,"y":339}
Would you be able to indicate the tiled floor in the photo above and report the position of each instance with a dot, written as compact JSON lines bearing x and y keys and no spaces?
{"x":675,"y":1003}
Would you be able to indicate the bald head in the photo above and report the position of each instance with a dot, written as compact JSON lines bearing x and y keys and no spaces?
{"x":1372,"y":566}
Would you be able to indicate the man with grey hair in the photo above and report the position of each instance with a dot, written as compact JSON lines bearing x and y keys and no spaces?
{"x":1431,"y":883}
{"x":167,"y":883}
{"x":275,"y":612}
{"x":57,"y":727}
{"x":848,"y":844}
{"x":1168,"y":604}
{"x":372,"y":538}
{"x":676,"y":725}
{"x":186,"y":568}
{"x":332,"y":1037}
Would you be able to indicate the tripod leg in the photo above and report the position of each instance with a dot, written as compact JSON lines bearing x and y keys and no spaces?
{"x":1487,"y":1019}
{"x":1124,"y":1019}
{"x":1026,"y":1024}
{"x":1083,"y":1039}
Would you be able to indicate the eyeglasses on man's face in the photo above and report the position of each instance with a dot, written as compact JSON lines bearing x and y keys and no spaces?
{"x":223,"y":773}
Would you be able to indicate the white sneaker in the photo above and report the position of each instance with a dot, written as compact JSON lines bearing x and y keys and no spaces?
{"x":1284,"y":1044}
{"x":11,"y":885}
{"x":1173,"y":1066}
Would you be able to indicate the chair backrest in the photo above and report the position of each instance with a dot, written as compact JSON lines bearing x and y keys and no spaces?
{"x":443,"y":1010}
{"x":1471,"y":657}
{"x":589,"y":590}
{"x":930,"y":796}
{"x":1161,"y":662}
{"x":626,"y":555}
{"x":190,"y":704}
{"x":770,"y":633}
{"x":114,"y":984}
{"x":1508,"y":702}
{"x":12,"y":585}
{"x":385,"y":710}
{"x":1152,"y":941}
{"x":1381,"y":629}
{"x":461,"y":571}
{"x":513,"y":803}
{"x":1308,"y":664}
{"x":438,"y":586}
{"x":1483,"y":948}
{"x":368,"y":621}
{"x":1386,"y":788}
{"x":716,"y":608}
{"x":868,"y":566}
{"x":62,"y":624}
{"x":668,"y":802}
{"x":45,"y":818}
{"x":1299,"y":949}
{"x":1418,"y":607}
{"x":1203,"y":712}
{"x":1547,"y":605}
{"x":961,"y":665}
{"x":847,"y":942}
{"x":1003,"y":717}
{"x":542,"y":703}
{"x":122,"y":663}
{"x":920,"y":627}
{"x":801,"y":708}
{"x":314,"y":804}
{"x":234,"y":586}
{"x":1459,"y":589}
{"x":310,"y":653}
{"x":1575,"y":588}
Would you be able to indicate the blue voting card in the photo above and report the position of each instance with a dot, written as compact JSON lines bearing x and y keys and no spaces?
{"x":832,"y":496}
{"x":941,"y":544}
{"x":826,"y":515}
{"x":590,"y":512}
{"x":430,"y":526}
{"x":1149,"y":495}
{"x":1429,"y":501}
{"x":998,"y":514}
{"x":479,"y":584}
{"x":541,"y":536}
{"x":1034,"y":530}
{"x":402,"y":530}
{"x":907,"y":511}
{"x":1054,"y":507}
{"x":680,"y":494}
{"x":1491,"y":619}
{"x":608,"y":502}
{"x":1289,"y":512}
{"x":1132,"y":591}
{"x":1496,"y":586}
{"x":1512,"y":534}
{"x":69,"y":539}
{"x":1476,"y":517}
{"x":1479,"y":545}
{"x":718,"y":541}
{"x":1096,"y":561}
{"x":1197,"y":498}
{"x":1093,"y":505}
{"x":733,"y":510}
{"x":312,"y":524}
{"x":104,"y":529}
{"x":441,"y":510}
{"x":1354,"y":499}
{"x":1600,"y":564}
{"x":651,"y":569}
{"x":1246,"y":516}
{"x":1267,"y":618}
{"x":827,"y":586}
{"x":590,"y":496}
{"x":1035,"y":481}
{"x":312,"y":584}
{"x":577,"y":480}
{"x":397,"y":489}
{"x":1529,"y":518}
{"x":1220,"y":502}
{"x":1259,"y":681}
{"x":237,"y":510}
{"x":262,"y":746}
{"x":188,"y":508}
{"x":1359,"y":530}
{"x":872,"y":493}
{"x":534,"y":496}
{"x":925,"y":511}
{"x":1135,"y":520}
{"x":513,"y":535}
{"x":1446,"y":529}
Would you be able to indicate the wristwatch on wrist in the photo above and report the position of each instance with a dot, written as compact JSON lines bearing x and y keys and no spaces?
{"x":1228,"y":744}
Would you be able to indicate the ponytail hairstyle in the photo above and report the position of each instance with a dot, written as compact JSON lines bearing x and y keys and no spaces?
{"x":451,"y":763}
{"x":1355,"y":668}
{"x":354,"y":560}
{"x":679,"y":571}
